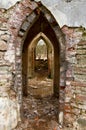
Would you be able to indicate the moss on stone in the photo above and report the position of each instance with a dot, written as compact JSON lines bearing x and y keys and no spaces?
{"x":84,"y":36}
{"x":82,"y":122}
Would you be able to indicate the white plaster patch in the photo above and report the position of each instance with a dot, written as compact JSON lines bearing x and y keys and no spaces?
{"x":61,"y":118}
{"x":9,"y":113}
{"x":66,"y":13}
{"x":10,"y":56}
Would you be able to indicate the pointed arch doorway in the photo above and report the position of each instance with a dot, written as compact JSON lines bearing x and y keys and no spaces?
{"x":38,"y":67}
{"x":31,"y":19}
{"x":42,"y":27}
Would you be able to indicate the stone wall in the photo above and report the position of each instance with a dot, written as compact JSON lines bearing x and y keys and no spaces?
{"x":72,"y":96}
{"x":10,"y":93}
{"x":75,"y":91}
{"x":9,"y":107}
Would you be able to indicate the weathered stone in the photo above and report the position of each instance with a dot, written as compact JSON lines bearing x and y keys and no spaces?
{"x":25,"y":25}
{"x":8,"y":113}
{"x":2,"y":32}
{"x":21,"y":33}
{"x":10,"y":56}
{"x":14,"y":25}
{"x":67,"y":99}
{"x":31,"y":17}
{"x":1,"y":55}
{"x":82,"y":122}
{"x":81,"y":99}
{"x":75,"y":110}
{"x":29,"y":4}
{"x":81,"y":43}
{"x":80,"y":77}
{"x":5,"y":37}
{"x":4,"y":28}
{"x":79,"y":70}
{"x":81,"y":52}
{"x":3,"y":46}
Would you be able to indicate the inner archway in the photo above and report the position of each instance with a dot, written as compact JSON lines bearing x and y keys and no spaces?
{"x":41,"y":59}
{"x":38,"y":67}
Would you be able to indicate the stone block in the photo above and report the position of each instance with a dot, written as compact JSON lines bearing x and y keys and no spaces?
{"x":82,"y":123}
{"x":81,"y":99}
{"x":2,"y":32}
{"x":25,"y":26}
{"x":10,"y":56}
{"x":83,"y":52}
{"x":79,"y":77}
{"x":83,"y":107}
{"x":21,"y":33}
{"x":5,"y":37}
{"x":31,"y":17}
{"x":69,"y":118}
{"x":68,"y":108}
{"x":67,"y":99}
{"x":81,"y":43}
{"x":1,"y":55}
{"x":3,"y":45}
{"x":29,"y":4}
{"x":75,"y":111}
{"x":79,"y":70}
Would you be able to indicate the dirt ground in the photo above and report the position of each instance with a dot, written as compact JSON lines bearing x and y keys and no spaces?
{"x":40,"y":113}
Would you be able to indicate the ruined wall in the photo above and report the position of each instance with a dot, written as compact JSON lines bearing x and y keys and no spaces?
{"x":66,"y":12}
{"x":75,"y":91}
{"x":9,"y":89}
{"x":74,"y":104}
{"x":9,"y":108}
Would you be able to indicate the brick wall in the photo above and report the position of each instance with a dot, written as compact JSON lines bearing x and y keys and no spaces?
{"x":75,"y":91}
{"x":72,"y":95}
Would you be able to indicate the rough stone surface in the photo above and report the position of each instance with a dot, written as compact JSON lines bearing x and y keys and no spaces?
{"x":9,"y":110}
{"x":76,"y":76}
{"x":3,"y":46}
{"x":14,"y":25}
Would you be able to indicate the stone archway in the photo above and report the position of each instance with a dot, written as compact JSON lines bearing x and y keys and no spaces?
{"x":24,"y":19}
{"x":42,"y":25}
{"x":29,"y":59}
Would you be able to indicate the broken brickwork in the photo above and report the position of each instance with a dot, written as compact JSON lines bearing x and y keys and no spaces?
{"x":70,"y":44}
{"x":75,"y":104}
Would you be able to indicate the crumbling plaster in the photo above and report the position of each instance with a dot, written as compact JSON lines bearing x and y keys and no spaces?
{"x":66,"y":13}
{"x":74,"y":103}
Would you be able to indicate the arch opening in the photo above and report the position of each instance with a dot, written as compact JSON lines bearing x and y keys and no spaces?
{"x":41,"y":78}
{"x":41,"y":58}
{"x":41,"y":26}
{"x":38,"y":67}
{"x":41,"y":29}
